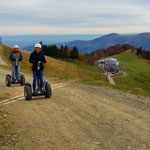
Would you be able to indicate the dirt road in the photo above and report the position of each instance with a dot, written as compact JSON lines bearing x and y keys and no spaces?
{"x":80,"y":117}
{"x":2,"y":62}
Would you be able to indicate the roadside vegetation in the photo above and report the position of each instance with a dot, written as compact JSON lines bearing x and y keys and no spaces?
{"x":136,"y":81}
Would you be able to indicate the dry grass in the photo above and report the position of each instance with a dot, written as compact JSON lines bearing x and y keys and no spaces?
{"x":57,"y":68}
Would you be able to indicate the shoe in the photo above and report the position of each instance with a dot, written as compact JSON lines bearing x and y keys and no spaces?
{"x":34,"y":93}
{"x":42,"y":91}
{"x":39,"y":91}
{"x":13,"y":81}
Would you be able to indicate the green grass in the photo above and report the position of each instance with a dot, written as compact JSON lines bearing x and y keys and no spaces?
{"x":137,"y":80}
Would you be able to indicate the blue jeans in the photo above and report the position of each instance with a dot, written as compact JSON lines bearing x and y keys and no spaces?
{"x":37,"y":78}
{"x":15,"y":72}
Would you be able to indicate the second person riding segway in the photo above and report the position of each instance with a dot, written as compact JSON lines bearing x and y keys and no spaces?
{"x":16,"y":77}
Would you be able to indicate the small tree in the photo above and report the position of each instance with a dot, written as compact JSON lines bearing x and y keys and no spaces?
{"x":41,"y":42}
{"x":74,"y":53}
{"x":139,"y":51}
{"x":133,"y":50}
{"x":61,"y":53}
{"x":66,"y":54}
{"x":81,"y":57}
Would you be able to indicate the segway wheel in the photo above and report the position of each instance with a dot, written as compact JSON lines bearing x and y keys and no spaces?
{"x":48,"y":90}
{"x":27,"y":92}
{"x":22,"y":80}
{"x":8,"y":81}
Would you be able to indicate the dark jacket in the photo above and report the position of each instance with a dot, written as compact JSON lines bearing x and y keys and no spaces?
{"x":14,"y":56}
{"x":37,"y":59}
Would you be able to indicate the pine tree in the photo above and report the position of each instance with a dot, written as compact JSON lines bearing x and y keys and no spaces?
{"x":41,"y":42}
{"x":139,"y":51}
{"x":74,"y":54}
{"x":66,"y":52}
{"x":61,"y":53}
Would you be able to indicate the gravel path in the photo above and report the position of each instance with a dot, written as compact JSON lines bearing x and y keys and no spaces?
{"x":2,"y":62}
{"x":81,"y":117}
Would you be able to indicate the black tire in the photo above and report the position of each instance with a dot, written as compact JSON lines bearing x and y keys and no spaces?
{"x":48,"y":90}
{"x":22,"y":80}
{"x":27,"y":92}
{"x":8,"y":81}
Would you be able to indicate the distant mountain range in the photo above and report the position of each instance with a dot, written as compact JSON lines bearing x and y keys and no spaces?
{"x":137,"y":40}
{"x":89,"y":44}
{"x":27,"y":41}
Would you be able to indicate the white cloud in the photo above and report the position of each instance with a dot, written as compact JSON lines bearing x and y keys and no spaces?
{"x":73,"y":16}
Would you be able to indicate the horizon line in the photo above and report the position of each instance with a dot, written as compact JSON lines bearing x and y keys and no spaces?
{"x":70,"y":34}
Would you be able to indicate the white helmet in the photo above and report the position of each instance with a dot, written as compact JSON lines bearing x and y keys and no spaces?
{"x":38,"y":45}
{"x":16,"y":46}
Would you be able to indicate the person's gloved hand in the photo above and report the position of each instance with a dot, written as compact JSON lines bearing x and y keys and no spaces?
{"x":40,"y":62}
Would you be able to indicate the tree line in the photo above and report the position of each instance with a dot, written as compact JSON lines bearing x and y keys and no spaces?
{"x":112,"y":50}
{"x":65,"y":53}
{"x":60,"y":53}
{"x":143,"y":53}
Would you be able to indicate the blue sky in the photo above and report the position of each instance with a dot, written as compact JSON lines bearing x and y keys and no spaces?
{"x":74,"y":16}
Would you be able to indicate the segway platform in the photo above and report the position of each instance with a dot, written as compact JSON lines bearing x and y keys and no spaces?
{"x":9,"y":81}
{"x":47,"y":91}
{"x":38,"y":94}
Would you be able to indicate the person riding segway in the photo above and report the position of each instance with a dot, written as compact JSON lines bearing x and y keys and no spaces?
{"x":16,"y":77}
{"x":37,"y":60}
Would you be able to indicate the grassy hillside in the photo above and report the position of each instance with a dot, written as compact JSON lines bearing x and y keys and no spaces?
{"x":61,"y":69}
{"x":137,"y":80}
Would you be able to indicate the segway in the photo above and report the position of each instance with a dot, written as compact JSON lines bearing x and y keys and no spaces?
{"x":46,"y":91}
{"x":9,"y":80}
